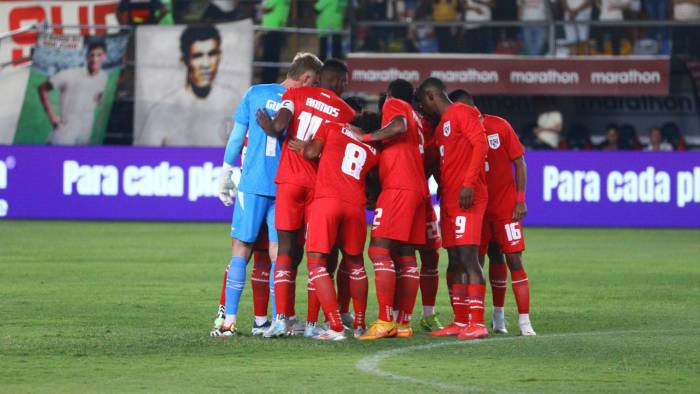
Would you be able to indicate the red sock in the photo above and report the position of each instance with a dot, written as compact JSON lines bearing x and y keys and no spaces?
{"x":292,"y":294}
{"x":450,"y":279}
{"x":222,"y":298}
{"x":429,"y":276}
{"x":260,"y":282}
{"x":314,"y":306}
{"x":521,"y":289}
{"x":322,"y":282}
{"x":407,"y":287}
{"x":342,"y":280}
{"x":384,"y":281}
{"x":460,"y":303}
{"x":498,"y":276}
{"x":283,"y":284}
{"x":358,"y":288}
{"x":476,"y":303}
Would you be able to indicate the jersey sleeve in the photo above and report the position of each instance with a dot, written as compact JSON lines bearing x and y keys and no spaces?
{"x":288,"y":100}
{"x":391,"y":109}
{"x":513,"y":146}
{"x":347,"y":114}
{"x":472,"y":129}
{"x":59,"y":80}
{"x":242,"y":115}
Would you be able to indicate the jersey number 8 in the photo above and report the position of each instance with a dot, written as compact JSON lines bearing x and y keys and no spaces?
{"x":353,"y":161}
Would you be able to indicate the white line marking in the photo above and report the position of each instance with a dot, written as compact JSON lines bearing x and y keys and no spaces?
{"x":370,"y":364}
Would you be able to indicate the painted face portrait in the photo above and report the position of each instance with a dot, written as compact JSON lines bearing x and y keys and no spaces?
{"x":95,"y":58}
{"x":203,"y":62}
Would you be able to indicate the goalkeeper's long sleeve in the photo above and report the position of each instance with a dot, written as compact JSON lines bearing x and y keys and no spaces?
{"x":235,"y":143}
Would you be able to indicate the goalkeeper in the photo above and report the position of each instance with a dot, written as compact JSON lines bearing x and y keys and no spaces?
{"x":255,"y":197}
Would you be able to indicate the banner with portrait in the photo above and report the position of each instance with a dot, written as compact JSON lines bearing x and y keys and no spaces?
{"x":189,"y":81}
{"x":15,"y":51}
{"x":71,"y":89}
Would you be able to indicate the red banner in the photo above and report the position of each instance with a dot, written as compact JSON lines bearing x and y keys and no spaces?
{"x":495,"y":74}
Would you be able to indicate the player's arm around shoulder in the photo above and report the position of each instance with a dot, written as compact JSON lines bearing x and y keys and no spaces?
{"x":274,"y":127}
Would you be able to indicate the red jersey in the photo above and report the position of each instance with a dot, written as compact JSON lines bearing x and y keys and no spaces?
{"x":311,"y":106}
{"x":504,"y":147}
{"x":401,"y":162}
{"x":345,"y":161}
{"x":429,"y":149}
{"x":461,"y":139}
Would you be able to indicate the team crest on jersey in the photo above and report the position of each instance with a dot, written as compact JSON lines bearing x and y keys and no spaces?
{"x":446,"y":129}
{"x":494,"y":141}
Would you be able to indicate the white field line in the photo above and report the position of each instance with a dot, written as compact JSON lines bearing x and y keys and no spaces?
{"x":370,"y":364}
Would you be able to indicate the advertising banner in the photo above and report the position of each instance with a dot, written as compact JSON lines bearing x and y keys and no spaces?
{"x":71,"y":88}
{"x":15,"y":51}
{"x":15,"y":14}
{"x":497,"y":74}
{"x":189,"y":81}
{"x":572,"y":189}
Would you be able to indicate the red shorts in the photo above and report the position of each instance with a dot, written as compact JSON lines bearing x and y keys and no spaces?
{"x":432,"y":235}
{"x":400,"y":215}
{"x":291,"y":204}
{"x":461,"y":226}
{"x":506,"y":233}
{"x":331,"y":220}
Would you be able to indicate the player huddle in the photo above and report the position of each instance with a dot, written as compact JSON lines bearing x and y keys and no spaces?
{"x":308,"y":158}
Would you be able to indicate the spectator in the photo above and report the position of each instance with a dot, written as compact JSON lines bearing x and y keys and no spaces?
{"x":685,"y":38}
{"x":656,"y":142}
{"x":141,"y":12}
{"x":577,"y":138}
{"x":446,"y":11}
{"x":611,"y":37}
{"x":549,"y":127}
{"x":221,"y":11}
{"x":658,"y":10}
{"x":423,"y":38}
{"x":672,"y":134}
{"x":534,"y":36}
{"x":576,"y":10}
{"x":275,"y":15}
{"x":612,"y":139}
{"x":628,"y":139}
{"x":478,"y":38}
{"x":331,"y":14}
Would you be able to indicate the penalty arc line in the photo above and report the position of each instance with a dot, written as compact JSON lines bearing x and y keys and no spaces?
{"x":370,"y":364}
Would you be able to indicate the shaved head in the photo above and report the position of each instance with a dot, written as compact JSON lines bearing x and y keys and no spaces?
{"x":432,"y":96}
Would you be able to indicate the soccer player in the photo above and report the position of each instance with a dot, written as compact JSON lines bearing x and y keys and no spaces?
{"x":463,"y":198}
{"x":399,"y":217}
{"x":303,"y":111}
{"x":81,"y":90}
{"x":502,"y":229}
{"x":255,"y":199}
{"x":337,"y":214}
{"x":430,"y":251}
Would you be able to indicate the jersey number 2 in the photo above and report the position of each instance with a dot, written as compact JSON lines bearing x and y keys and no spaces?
{"x":353,"y":161}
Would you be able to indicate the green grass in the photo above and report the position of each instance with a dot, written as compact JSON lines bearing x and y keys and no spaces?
{"x":124,"y":307}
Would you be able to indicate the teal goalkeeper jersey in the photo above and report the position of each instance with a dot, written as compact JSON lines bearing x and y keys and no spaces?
{"x":263,"y":152}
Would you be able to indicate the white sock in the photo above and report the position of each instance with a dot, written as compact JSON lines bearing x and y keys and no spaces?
{"x":498,"y":312}
{"x":396,"y":314}
{"x":230,"y":319}
{"x":260,"y":320}
{"x":523,"y":318}
{"x":428,"y":310}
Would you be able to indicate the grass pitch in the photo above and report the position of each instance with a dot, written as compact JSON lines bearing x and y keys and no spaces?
{"x":125,"y":307}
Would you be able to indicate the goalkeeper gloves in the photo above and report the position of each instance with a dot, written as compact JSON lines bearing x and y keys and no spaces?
{"x":227,"y":186}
